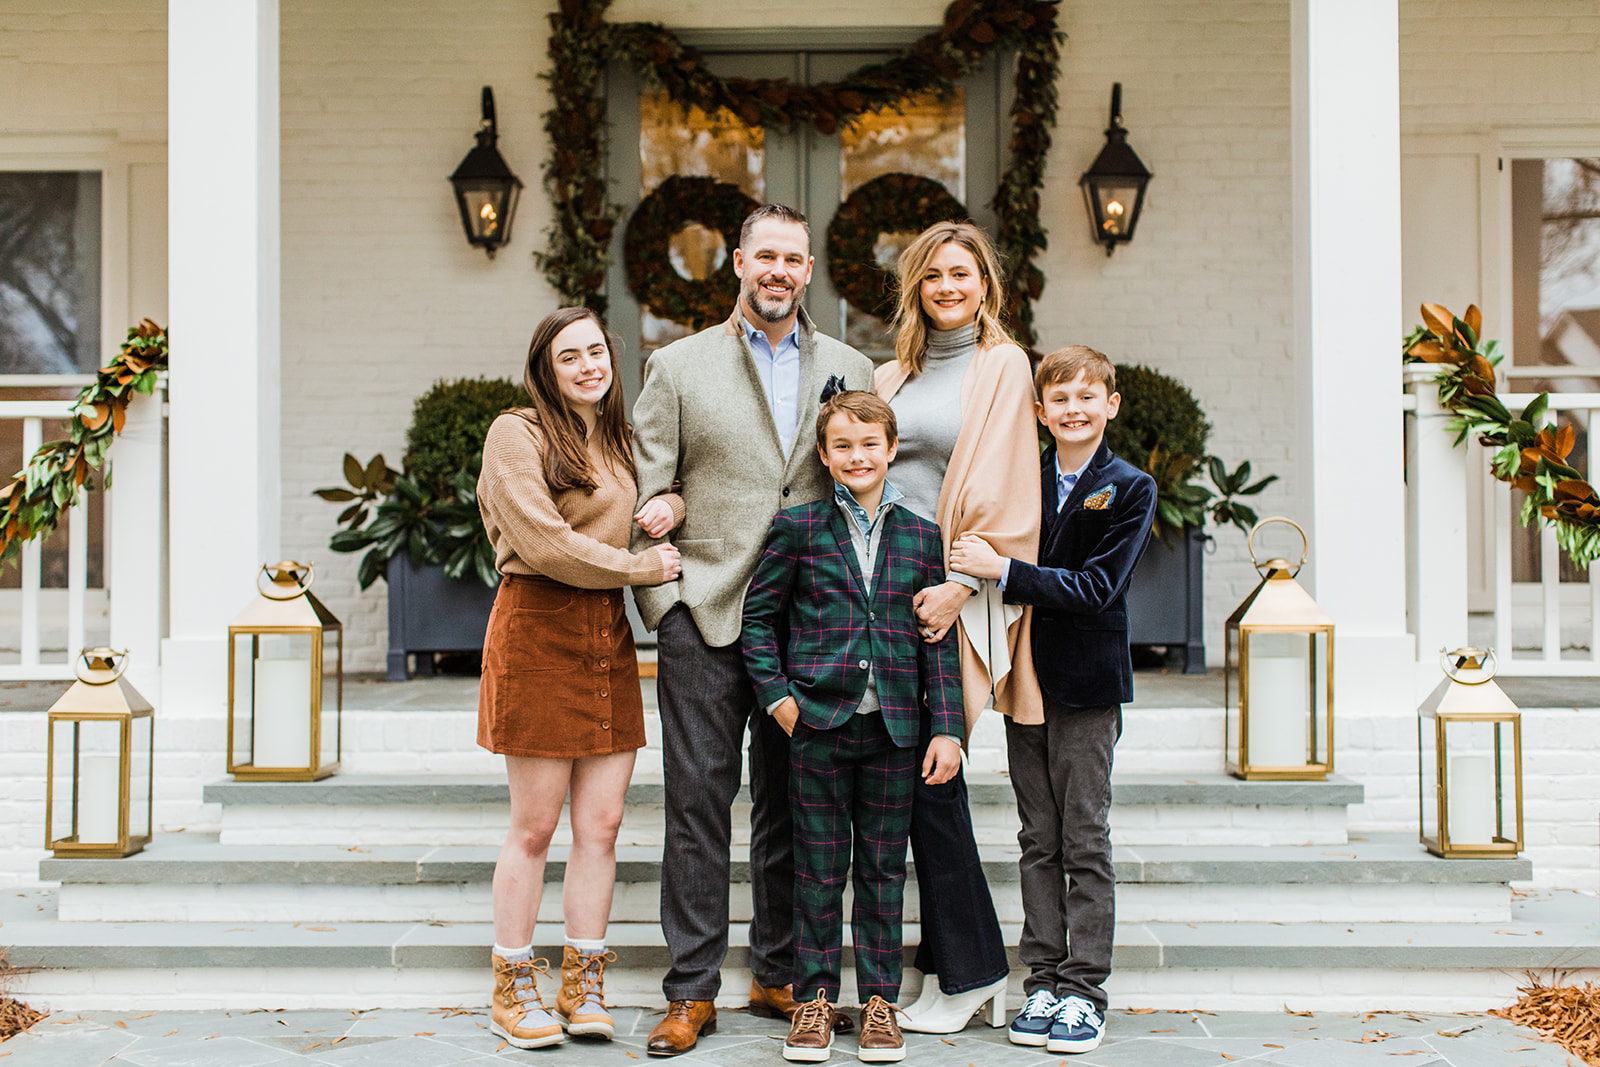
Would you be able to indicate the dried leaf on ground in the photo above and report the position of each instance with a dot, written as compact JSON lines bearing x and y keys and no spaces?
{"x":1568,"y":1015}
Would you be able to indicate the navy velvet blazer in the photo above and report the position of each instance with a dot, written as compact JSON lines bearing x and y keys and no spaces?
{"x":808,"y":583}
{"x":1087,"y":553}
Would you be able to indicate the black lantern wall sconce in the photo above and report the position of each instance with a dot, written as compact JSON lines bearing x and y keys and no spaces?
{"x":486,"y":190}
{"x":1114,"y":185}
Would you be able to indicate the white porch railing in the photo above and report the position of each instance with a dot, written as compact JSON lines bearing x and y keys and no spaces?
{"x":43,"y":629}
{"x":1542,"y":627}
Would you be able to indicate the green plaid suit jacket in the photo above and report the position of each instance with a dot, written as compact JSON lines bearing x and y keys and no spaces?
{"x":808,"y":586}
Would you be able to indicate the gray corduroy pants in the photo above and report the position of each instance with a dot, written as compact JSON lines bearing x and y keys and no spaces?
{"x":1061,"y":772}
{"x":706,"y":702}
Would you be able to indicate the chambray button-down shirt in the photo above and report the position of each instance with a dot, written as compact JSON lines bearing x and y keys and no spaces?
{"x":780,"y":377}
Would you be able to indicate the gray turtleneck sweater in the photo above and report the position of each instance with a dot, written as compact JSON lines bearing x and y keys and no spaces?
{"x":928,"y":411}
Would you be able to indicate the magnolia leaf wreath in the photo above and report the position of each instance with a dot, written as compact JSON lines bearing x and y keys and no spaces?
{"x":48,"y":486}
{"x":647,"y":246}
{"x":1529,"y":456}
{"x":888,"y":204}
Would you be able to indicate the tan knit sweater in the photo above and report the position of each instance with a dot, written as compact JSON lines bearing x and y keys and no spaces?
{"x":572,"y":536}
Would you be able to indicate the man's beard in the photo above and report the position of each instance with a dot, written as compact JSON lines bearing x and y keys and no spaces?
{"x":769,"y":312}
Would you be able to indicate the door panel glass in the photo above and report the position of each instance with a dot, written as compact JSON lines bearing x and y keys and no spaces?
{"x":674,"y":139}
{"x":926,"y":137}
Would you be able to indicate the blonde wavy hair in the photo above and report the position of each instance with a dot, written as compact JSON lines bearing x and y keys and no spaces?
{"x":911,"y":322}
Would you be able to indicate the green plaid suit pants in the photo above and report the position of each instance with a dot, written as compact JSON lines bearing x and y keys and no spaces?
{"x":850,"y":793}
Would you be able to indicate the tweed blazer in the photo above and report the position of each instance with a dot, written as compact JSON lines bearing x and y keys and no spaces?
{"x":1087,"y":553}
{"x":702,"y":421}
{"x":808,"y":585}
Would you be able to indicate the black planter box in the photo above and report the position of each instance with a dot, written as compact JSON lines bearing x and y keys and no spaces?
{"x":1166,"y":598}
{"x":430,"y":613}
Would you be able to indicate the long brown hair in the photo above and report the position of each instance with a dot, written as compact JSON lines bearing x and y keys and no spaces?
{"x":911,"y":322}
{"x":566,"y":458}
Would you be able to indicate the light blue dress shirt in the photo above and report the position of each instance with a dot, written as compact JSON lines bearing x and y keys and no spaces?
{"x":780,"y":378}
{"x":1065,"y":480}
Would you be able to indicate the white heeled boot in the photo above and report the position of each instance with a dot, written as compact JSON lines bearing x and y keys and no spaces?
{"x":950,"y":1013}
{"x":929,"y":994}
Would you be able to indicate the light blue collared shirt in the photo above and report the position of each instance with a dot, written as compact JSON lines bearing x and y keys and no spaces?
{"x":780,"y":377}
{"x":1065,"y":480}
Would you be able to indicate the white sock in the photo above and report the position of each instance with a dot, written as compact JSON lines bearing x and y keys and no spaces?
{"x":586,"y":946}
{"x":509,"y":954}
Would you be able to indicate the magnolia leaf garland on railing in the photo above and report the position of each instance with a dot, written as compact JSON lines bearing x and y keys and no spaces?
{"x":1528,"y":456}
{"x":582,"y":42}
{"x":48,"y":486}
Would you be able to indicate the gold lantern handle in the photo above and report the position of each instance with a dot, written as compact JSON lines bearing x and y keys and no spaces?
{"x":1469,"y":666}
{"x":288,"y":579}
{"x":97,"y":661}
{"x":1263,"y":566}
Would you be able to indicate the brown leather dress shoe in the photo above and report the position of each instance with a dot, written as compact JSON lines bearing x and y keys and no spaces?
{"x":686,"y":1020}
{"x":777,"y":1002}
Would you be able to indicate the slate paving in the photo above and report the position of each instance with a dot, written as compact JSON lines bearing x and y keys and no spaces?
{"x":447,"y":1036}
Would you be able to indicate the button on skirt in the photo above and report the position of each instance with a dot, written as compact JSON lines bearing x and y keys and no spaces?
{"x":560,"y":674}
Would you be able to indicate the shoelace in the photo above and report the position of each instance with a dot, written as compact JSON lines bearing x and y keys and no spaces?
{"x":812,"y":1016}
{"x":523,"y":980}
{"x":591,"y":973}
{"x":877,"y":1013}
{"x":679,"y":1009}
{"x":1074,"y":1010}
{"x":1040,"y":1003}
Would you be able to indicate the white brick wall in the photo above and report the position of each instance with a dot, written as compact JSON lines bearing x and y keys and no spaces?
{"x":382,"y":295}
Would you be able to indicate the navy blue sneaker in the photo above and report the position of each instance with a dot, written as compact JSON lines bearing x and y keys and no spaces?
{"x":1032,"y":1025}
{"x":1079,"y":1026}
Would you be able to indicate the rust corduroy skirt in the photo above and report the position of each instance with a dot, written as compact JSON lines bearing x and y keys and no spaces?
{"x":560,"y":676}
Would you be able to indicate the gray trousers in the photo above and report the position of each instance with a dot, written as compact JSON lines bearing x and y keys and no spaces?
{"x":1061,"y":772}
{"x":706,"y":702}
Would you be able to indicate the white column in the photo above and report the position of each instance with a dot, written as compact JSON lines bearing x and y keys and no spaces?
{"x":223,"y":256}
{"x":1436,"y":530}
{"x":138,"y":524}
{"x":1346,"y":156}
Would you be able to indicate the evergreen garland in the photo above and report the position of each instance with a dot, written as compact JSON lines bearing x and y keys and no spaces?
{"x":582,"y":42}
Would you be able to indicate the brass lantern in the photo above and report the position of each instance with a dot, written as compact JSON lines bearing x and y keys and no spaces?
{"x":1279,"y":676}
{"x":1469,"y":752}
{"x":101,"y":754}
{"x":285,"y":681}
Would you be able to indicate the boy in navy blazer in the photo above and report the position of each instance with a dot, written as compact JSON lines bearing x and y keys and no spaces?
{"x":1097,"y":515}
{"x":831,"y":643}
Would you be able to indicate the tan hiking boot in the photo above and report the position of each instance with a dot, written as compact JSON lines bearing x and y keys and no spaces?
{"x":581,"y":1004}
{"x":881,"y":1041}
{"x":811,"y":1032}
{"x":517,"y":1012}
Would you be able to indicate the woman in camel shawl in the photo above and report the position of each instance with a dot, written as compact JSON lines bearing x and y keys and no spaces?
{"x":968,"y":458}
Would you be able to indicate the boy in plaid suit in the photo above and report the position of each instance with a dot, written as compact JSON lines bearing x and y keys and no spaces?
{"x":850,"y":683}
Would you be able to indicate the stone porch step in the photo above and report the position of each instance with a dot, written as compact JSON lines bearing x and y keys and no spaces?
{"x":1385,"y":878}
{"x":1150,"y":809}
{"x":1157,"y":964}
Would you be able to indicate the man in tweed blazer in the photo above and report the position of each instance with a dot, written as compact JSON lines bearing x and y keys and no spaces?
{"x":832,"y":645}
{"x":722,"y":415}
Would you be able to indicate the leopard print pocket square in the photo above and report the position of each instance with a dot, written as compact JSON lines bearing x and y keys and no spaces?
{"x":1101,"y":500}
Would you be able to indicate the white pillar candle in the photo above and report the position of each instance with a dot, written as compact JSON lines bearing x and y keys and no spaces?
{"x":1278,"y":700}
{"x":99,"y":793}
{"x":282,"y":726}
{"x":1471,"y":800}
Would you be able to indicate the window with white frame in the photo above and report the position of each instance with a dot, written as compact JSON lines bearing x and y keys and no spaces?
{"x":49,"y":272}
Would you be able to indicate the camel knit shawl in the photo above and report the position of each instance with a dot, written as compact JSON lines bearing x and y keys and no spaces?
{"x":991,"y":489}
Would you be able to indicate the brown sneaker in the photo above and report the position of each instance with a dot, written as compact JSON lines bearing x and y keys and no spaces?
{"x":517,"y":1012}
{"x":881,"y":1041}
{"x":581,"y":1004}
{"x":811,"y":1032}
{"x":777,"y":1002}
